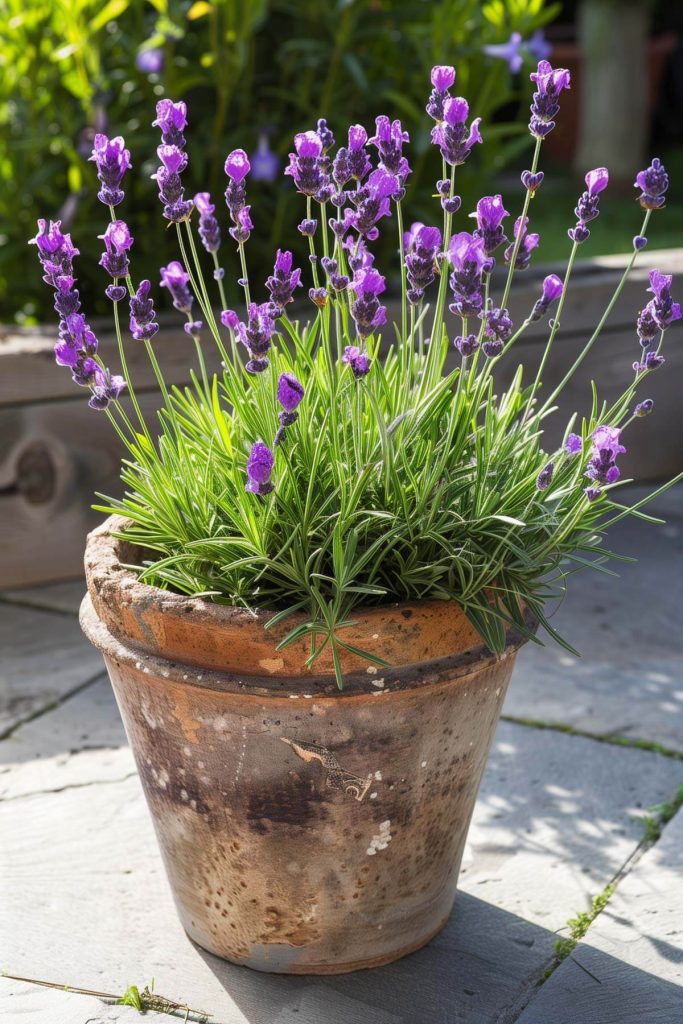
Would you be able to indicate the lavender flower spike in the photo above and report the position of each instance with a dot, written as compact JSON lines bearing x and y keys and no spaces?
{"x":171,"y":120}
{"x":259,"y":468}
{"x":290,"y":393}
{"x":443,"y":78}
{"x":546,"y":106}
{"x":366,"y":311}
{"x":510,"y":52}
{"x":117,"y":241}
{"x":143,"y":325}
{"x":264,"y":161}
{"x":602,"y":467}
{"x":306,"y":165}
{"x":574,"y":444}
{"x":112,"y":160}
{"x":552,"y":290}
{"x":490,"y":215}
{"x":451,"y":134}
{"x":389,"y":139}
{"x":653,"y":183}
{"x":662,"y":307}
{"x":209,"y":230}
{"x":587,"y":206}
{"x":421,"y":246}
{"x":357,"y":360}
{"x":175,"y":278}
{"x":372,"y":202}
{"x":528,"y":243}
{"x":468,"y":258}
{"x":283,"y":282}
{"x":255,"y":335}
{"x":544,"y":478}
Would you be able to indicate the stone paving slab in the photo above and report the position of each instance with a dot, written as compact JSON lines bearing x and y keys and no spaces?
{"x":633,"y":951}
{"x":629,"y":680}
{"x":57,"y":597}
{"x":82,"y":889}
{"x":33,"y":1004}
{"x":43,"y":657}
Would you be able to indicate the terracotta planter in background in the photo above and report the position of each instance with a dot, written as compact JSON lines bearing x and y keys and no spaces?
{"x":304,"y":830}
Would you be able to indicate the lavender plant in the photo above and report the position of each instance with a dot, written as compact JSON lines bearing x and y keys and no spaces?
{"x":323,"y":469}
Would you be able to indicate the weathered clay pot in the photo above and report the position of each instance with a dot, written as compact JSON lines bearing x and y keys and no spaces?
{"x":304,"y":829}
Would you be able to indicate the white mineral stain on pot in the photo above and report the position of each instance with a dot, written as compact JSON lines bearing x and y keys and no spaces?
{"x":373,"y":796}
{"x":378,"y":776}
{"x":371,"y":670}
{"x":148,"y":716}
{"x":220,"y":723}
{"x":161,"y":777}
{"x":378,"y":682}
{"x":381,"y":840}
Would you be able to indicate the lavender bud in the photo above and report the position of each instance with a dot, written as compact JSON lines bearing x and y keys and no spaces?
{"x":308,"y":228}
{"x":644,"y":408}
{"x":545,"y":477}
{"x":639,"y":242}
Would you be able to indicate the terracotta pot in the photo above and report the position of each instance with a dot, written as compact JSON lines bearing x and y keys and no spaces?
{"x":304,"y":830}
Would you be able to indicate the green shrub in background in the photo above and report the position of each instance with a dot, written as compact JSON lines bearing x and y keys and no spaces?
{"x":249,"y":70}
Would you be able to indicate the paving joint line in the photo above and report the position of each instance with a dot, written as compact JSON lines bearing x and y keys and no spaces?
{"x":69,"y":785}
{"x":36,"y":606}
{"x":611,"y":739}
{"x":52,"y":706}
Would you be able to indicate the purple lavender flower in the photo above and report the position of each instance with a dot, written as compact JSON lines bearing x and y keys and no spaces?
{"x":443,"y":78}
{"x":112,"y":160}
{"x":545,"y":105}
{"x":490,"y":216}
{"x":290,"y":393}
{"x":105,"y":389}
{"x":468,"y":258}
{"x":338,"y":282}
{"x":243,"y":225}
{"x":510,"y":52}
{"x":421,"y":245}
{"x":552,"y":290}
{"x":653,"y":183}
{"x":142,"y":323}
{"x":466,"y":345}
{"x":528,"y":243}
{"x":497,"y":329}
{"x":318,"y":296}
{"x":150,"y":61}
{"x":663,"y":309}
{"x":357,"y":360}
{"x":56,"y":251}
{"x":264,"y":162}
{"x":324,"y":134}
{"x":538,"y":46}
{"x":544,"y":478}
{"x":644,"y":408}
{"x":307,"y":163}
{"x":117,"y":241}
{"x":259,"y":468}
{"x":351,"y":162}
{"x":209,"y":231}
{"x":389,"y":139}
{"x":167,"y":176}
{"x":451,"y":134}
{"x":175,"y":278}
{"x":574,"y":444}
{"x":602,"y":467}
{"x":366,"y":311}
{"x":255,"y":335}
{"x":171,"y":120}
{"x":308,"y":228}
{"x":532,"y":182}
{"x":237,"y":165}
{"x":587,"y":206}
{"x":283,"y":281}
{"x":372,"y":202}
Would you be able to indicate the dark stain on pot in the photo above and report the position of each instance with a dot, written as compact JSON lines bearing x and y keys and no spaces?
{"x":296,"y":802}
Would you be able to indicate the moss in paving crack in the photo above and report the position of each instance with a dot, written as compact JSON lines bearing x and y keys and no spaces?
{"x":610,"y":738}
{"x":659,"y":814}
{"x":578,"y":926}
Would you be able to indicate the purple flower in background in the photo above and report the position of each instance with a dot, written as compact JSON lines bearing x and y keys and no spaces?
{"x":451,"y":134}
{"x":663,"y":309}
{"x":209,"y":231}
{"x":544,"y":478}
{"x":574,"y":444}
{"x":283,"y":281}
{"x":171,"y":120}
{"x":644,"y":408}
{"x":443,"y":78}
{"x":468,"y":258}
{"x":421,"y":245}
{"x":150,"y":61}
{"x":143,"y":325}
{"x":546,"y":100}
{"x":366,"y":311}
{"x":264,"y":162}
{"x":552,"y":290}
{"x":112,"y":160}
{"x":653,"y":183}
{"x":306,"y":164}
{"x":529,"y":241}
{"x":538,"y":46}
{"x":259,"y":468}
{"x":357,"y":360}
{"x":490,"y":216}
{"x":389,"y":139}
{"x":372,"y":202}
{"x":117,"y":241}
{"x":510,"y":52}
{"x":175,"y":278}
{"x":602,"y":467}
{"x":587,"y":206}
{"x":497,"y":329}
{"x":255,"y":335}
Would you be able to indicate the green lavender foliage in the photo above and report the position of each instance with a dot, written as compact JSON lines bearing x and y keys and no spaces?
{"x":67,"y":70}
